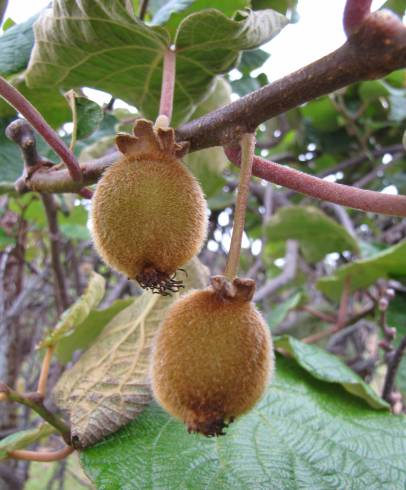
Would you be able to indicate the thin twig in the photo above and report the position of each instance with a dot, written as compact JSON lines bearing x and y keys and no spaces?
{"x":393,"y":367}
{"x":143,"y":9}
{"x":61,"y":295}
{"x":247,"y":154}
{"x":34,"y":401}
{"x":285,"y":276}
{"x":22,"y":105}
{"x":41,"y":456}
{"x":342,"y":316}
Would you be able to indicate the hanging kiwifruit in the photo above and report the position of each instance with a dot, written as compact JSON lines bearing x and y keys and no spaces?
{"x":212,"y":357}
{"x":148,"y":211}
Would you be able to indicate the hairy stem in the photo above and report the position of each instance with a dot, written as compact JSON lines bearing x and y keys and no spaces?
{"x":168,"y":84}
{"x":345,"y":195}
{"x":41,"y":456}
{"x":392,"y":370}
{"x":22,"y":105}
{"x":247,"y":151}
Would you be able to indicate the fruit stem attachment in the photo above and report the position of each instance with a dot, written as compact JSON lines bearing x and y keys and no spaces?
{"x":247,"y":157}
{"x":168,"y":83}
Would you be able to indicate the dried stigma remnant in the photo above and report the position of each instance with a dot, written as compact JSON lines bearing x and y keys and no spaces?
{"x":148,"y":211}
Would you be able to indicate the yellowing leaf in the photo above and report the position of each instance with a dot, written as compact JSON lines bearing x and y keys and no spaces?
{"x":109,"y":384}
{"x":78,"y":312}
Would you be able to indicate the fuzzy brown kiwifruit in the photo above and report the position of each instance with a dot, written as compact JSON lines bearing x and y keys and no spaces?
{"x":148,"y":210}
{"x":212,"y":357}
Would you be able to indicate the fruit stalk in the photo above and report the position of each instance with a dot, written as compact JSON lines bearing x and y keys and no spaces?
{"x":168,"y":84}
{"x":247,"y":158}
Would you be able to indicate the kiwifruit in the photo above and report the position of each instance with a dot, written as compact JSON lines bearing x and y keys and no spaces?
{"x":212,"y":357}
{"x":148,"y":211}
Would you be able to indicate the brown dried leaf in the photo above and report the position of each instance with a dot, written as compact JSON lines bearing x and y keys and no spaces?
{"x":109,"y":384}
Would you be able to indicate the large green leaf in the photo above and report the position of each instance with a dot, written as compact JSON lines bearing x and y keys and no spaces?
{"x":24,"y":438}
{"x":317,"y":234}
{"x":327,"y":367}
{"x":364,"y":272}
{"x":15,"y":47}
{"x":97,"y":43}
{"x":304,"y":434}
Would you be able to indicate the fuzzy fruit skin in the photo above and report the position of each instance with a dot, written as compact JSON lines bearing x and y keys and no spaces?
{"x":212,"y":360}
{"x":148,"y":213}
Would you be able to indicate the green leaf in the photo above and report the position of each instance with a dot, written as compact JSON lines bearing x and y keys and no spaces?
{"x":89,"y":116}
{"x":87,"y":331}
{"x":280,"y":311}
{"x":109,"y":385}
{"x":372,"y":89}
{"x":8,"y":23}
{"x":171,"y":13}
{"x":78,"y":312}
{"x":11,"y":164}
{"x":327,"y":367}
{"x":15,"y":47}
{"x":317,"y":234}
{"x":322,"y":114}
{"x":251,"y":60}
{"x":364,"y":272}
{"x":245,"y":85}
{"x":305,"y":433}
{"x":74,"y":224}
{"x":5,"y":239}
{"x":98,"y":44}
{"x":24,"y":438}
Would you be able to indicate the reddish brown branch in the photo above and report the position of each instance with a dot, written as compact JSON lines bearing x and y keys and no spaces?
{"x":355,"y":13}
{"x":22,"y":105}
{"x":345,"y":195}
{"x":377,"y":48}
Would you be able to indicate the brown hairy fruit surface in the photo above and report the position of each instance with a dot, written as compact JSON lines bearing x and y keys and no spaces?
{"x":148,"y":211}
{"x":212,"y":358}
